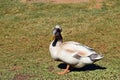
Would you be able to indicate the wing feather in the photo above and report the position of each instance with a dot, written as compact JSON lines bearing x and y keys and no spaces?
{"x":74,"y":47}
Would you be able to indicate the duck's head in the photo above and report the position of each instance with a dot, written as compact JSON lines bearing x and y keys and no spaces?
{"x":57,"y":33}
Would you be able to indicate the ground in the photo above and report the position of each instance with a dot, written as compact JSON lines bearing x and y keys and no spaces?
{"x":26,"y":31}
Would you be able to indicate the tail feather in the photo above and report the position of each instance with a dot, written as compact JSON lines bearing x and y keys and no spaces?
{"x":96,"y":57}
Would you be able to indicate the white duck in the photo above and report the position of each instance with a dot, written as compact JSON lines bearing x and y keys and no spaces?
{"x":72,"y":53}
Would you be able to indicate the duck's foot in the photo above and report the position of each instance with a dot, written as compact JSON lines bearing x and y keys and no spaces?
{"x":65,"y":70}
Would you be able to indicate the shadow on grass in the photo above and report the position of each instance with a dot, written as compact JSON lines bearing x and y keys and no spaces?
{"x":90,"y":67}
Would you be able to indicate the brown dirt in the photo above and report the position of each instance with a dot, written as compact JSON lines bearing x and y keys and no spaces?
{"x":69,"y":1}
{"x":62,"y":1}
{"x":56,"y":1}
{"x":97,"y":3}
{"x":51,"y":69}
{"x":22,"y":77}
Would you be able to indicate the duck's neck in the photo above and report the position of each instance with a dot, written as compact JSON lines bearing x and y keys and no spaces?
{"x":57,"y":40}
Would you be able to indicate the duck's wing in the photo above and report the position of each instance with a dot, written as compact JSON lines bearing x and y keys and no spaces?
{"x":77,"y":49}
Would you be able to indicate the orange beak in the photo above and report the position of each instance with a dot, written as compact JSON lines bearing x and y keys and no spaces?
{"x":53,"y":37}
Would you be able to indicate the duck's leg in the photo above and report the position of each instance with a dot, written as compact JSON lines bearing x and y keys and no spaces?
{"x":65,"y":70}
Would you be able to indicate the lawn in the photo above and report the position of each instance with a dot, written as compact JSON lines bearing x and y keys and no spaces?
{"x":25,"y":35}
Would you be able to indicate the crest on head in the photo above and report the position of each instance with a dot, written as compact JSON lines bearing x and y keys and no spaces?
{"x":56,"y":29}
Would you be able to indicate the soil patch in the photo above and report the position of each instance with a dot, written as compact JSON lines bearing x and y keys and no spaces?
{"x":22,"y":77}
{"x":62,"y":1}
{"x":96,"y":3}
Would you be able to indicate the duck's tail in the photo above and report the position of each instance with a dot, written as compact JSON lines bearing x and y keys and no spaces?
{"x":96,"y":57}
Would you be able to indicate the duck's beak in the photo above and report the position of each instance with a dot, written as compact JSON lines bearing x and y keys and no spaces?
{"x":53,"y":37}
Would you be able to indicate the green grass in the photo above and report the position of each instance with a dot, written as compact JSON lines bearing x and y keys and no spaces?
{"x":25,"y":35}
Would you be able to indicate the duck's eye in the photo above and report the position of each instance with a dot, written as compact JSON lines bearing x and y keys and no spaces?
{"x":58,"y":30}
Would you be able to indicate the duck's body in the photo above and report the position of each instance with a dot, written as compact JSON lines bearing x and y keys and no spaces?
{"x":72,"y":53}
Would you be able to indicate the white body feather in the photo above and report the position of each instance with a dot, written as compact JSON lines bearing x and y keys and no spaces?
{"x":60,"y":52}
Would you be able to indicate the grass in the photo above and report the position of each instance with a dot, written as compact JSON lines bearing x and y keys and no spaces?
{"x":25,"y":35}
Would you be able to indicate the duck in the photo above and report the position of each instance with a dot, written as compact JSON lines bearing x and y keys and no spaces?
{"x":72,"y":53}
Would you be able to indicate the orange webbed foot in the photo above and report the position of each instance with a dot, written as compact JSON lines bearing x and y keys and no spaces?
{"x":65,"y":70}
